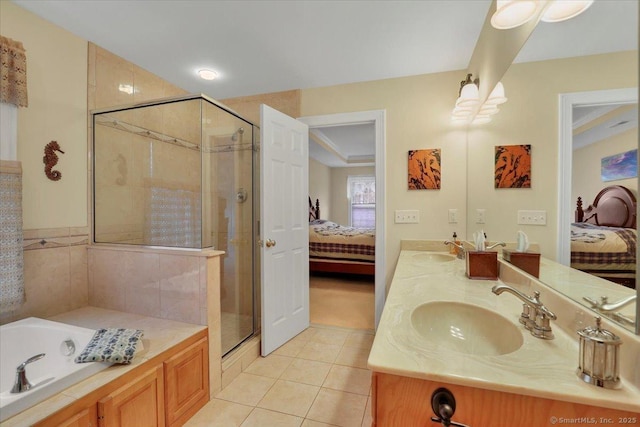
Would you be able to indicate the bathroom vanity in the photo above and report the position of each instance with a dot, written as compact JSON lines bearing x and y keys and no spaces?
{"x":442,"y":329}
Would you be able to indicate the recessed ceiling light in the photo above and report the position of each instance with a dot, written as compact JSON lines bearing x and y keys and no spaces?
{"x":207,"y":74}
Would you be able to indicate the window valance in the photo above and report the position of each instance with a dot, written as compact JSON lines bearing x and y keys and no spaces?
{"x":13,"y":72}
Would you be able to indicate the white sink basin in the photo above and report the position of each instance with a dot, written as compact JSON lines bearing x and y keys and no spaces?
{"x":466,"y":328}
{"x":432,"y":257}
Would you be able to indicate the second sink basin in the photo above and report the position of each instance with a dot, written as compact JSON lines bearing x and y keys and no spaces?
{"x":466,"y":328}
{"x":434,"y":257}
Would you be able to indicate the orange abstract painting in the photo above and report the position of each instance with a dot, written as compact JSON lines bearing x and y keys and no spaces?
{"x":424,"y":169}
{"x":513,"y":166}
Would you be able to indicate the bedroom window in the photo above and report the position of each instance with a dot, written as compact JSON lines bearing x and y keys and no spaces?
{"x":361,"y":193}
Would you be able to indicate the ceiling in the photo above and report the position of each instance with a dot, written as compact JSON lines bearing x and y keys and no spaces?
{"x":262,"y":46}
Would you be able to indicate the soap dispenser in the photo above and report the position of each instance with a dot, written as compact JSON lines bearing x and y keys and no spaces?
{"x":453,"y":249}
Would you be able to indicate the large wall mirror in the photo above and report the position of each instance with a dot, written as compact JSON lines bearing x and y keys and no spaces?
{"x":588,"y":60}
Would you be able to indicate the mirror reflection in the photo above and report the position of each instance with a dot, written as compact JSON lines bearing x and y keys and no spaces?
{"x":592,"y":61}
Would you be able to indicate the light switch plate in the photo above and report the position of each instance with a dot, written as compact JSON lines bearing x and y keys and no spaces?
{"x":407,"y":217}
{"x":480,"y":216}
{"x":453,"y":216}
{"x":532,"y":217}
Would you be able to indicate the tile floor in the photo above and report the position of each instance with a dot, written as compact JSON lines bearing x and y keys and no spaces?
{"x":319,"y":378}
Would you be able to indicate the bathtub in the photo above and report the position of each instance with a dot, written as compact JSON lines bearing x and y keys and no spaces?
{"x":54,"y":372}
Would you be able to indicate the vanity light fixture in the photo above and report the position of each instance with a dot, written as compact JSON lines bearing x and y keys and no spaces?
{"x":561,"y":10}
{"x":207,"y":74}
{"x":513,"y":13}
{"x":467,"y":109}
{"x":469,"y":94}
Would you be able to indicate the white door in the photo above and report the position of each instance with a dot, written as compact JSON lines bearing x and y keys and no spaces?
{"x":284,"y":230}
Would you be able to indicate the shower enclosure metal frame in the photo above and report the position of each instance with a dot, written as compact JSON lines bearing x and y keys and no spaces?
{"x":206,"y":177}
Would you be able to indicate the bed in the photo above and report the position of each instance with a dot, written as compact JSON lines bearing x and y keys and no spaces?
{"x":334,"y":248}
{"x":603,"y":236}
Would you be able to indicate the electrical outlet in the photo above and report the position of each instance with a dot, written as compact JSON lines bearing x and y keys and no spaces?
{"x":407,"y":217}
{"x":453,"y":216}
{"x":532,"y":217}
{"x":480,"y":216}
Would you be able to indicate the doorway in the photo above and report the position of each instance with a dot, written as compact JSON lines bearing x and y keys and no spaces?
{"x":376,"y":119}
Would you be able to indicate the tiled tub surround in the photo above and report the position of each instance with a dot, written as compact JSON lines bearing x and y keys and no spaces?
{"x":55,"y":269}
{"x":173,"y":284}
{"x":544,"y":369}
{"x":159,"y":336}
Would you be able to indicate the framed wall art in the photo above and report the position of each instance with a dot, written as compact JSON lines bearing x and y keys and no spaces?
{"x":619,"y":166}
{"x":424,"y":169}
{"x":513,"y":166}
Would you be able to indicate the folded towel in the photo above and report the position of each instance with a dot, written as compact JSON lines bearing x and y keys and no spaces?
{"x":111,"y":345}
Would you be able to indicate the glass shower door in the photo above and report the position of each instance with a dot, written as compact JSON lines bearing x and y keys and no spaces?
{"x":229,"y":142}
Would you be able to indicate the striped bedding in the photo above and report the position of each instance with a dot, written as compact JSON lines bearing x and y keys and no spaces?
{"x":330,"y":240}
{"x":597,"y":249}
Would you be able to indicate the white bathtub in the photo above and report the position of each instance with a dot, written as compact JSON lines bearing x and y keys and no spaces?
{"x":56,"y":371}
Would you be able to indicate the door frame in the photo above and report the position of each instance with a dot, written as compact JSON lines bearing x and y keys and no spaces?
{"x":378,"y":118}
{"x":566,"y":205}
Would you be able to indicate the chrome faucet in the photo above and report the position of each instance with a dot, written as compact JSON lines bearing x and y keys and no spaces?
{"x":461,"y":251}
{"x":535,"y":316}
{"x":22,"y":383}
{"x":503,"y":244}
{"x":605,"y":306}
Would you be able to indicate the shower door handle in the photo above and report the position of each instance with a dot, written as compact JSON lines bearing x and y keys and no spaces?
{"x":270,"y":243}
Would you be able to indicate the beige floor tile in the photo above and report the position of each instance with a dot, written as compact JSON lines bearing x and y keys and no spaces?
{"x":306,"y":334}
{"x":271,"y":366}
{"x":220,"y":413}
{"x":338,"y":408}
{"x":310,"y":423}
{"x":291,"y":348}
{"x":246,"y":389}
{"x":359,"y":340}
{"x":306,"y":371}
{"x":368,"y":416}
{"x":346,"y":378}
{"x":353,"y":356}
{"x":330,"y":336}
{"x":320,"y":352}
{"x":290,"y":398}
{"x":264,"y":418}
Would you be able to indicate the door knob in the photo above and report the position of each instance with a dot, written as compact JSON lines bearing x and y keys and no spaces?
{"x":270,"y":243}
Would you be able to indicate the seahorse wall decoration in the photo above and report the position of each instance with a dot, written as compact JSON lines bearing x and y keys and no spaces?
{"x":50,"y":159}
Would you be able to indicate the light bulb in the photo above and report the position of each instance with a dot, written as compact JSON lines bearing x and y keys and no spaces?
{"x":561,"y":10}
{"x":513,"y":13}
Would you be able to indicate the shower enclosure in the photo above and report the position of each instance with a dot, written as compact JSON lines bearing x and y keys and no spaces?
{"x":182,"y":173}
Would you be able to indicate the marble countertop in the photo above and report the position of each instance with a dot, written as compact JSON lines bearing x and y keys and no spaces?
{"x":159,"y":336}
{"x":539,"y":368}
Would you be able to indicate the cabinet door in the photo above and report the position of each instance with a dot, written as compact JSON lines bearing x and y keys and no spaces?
{"x":186,"y":382}
{"x":87,"y":417}
{"x":140,"y":403}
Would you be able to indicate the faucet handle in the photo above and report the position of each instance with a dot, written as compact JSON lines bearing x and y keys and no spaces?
{"x":542,"y":328}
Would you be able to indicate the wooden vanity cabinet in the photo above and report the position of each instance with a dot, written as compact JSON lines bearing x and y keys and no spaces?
{"x":162,"y":392}
{"x":404,"y":401}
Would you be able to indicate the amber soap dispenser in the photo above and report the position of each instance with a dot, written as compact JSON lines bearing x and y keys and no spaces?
{"x":453,"y":249}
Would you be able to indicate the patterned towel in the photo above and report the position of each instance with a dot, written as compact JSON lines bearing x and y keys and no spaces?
{"x":111,"y":345}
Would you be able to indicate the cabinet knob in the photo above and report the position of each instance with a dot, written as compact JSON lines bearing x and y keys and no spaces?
{"x":443,"y":405}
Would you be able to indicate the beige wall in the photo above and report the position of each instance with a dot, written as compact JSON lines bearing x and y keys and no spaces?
{"x":56,"y":78}
{"x":531,"y":117}
{"x":586,"y":181}
{"x":417,"y":117}
{"x":54,"y":212}
{"x":339,"y":204}
{"x":320,"y":186}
